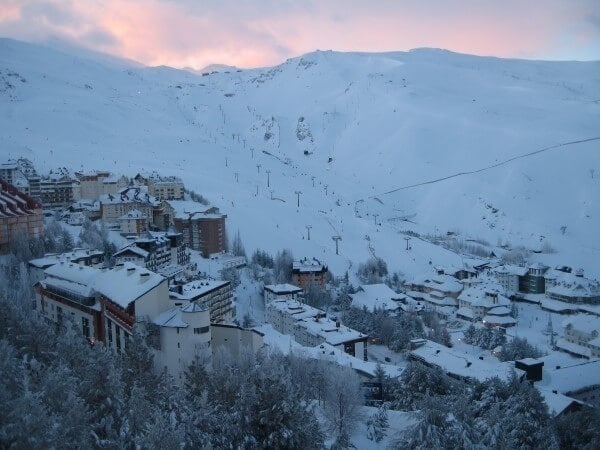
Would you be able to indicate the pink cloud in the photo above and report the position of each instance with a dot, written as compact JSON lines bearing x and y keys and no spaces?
{"x":251,"y":33}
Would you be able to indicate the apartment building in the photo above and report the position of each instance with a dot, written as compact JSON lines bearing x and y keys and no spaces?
{"x":20,"y":215}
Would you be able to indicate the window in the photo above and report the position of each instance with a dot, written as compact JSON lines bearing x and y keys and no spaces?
{"x":85,"y":324}
{"x":118,"y":337}
{"x":201,"y":330}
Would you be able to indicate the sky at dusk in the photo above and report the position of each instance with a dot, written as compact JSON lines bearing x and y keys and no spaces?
{"x":254,"y":33}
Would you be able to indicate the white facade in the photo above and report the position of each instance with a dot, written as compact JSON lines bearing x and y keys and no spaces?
{"x":185,"y":334}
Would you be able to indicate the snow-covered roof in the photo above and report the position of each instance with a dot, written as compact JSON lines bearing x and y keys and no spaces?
{"x":306,"y":265}
{"x":485,"y":295}
{"x":499,"y":320}
{"x":330,"y":331}
{"x":442,"y":283}
{"x":296,"y":309}
{"x":197,"y":289}
{"x":499,"y":311}
{"x":185,"y":209}
{"x":556,"y":401}
{"x":462,"y":364}
{"x":170,"y":318}
{"x":376,"y":296}
{"x":54,"y":258}
{"x":282,"y":289}
{"x":132,"y":248}
{"x":130,"y":194}
{"x":557,"y":305}
{"x":573,"y":348}
{"x":465,"y":312}
{"x":509,"y":269}
{"x":573,"y":378}
{"x":123,"y":284}
{"x":176,"y":317}
{"x":327,"y":352}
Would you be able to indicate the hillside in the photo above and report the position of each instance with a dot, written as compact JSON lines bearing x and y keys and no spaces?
{"x":363,"y":125}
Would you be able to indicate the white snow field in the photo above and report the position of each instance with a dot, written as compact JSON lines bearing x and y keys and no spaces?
{"x":359,"y":127}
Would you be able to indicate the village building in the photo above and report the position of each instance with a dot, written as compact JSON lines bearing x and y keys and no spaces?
{"x":477,"y":303}
{"x":22,"y":175}
{"x":94,"y":184}
{"x":80,"y":256}
{"x":509,"y":277}
{"x":162,"y":216}
{"x":133,"y":223}
{"x":580,"y":381}
{"x":155,"y":250}
{"x":460,"y":365}
{"x":283,"y":291}
{"x":581,"y":334}
{"x":203,"y":228}
{"x":106,"y":304}
{"x":216,"y":295}
{"x":436,"y":300}
{"x":309,"y":272}
{"x":185,"y":335}
{"x":20,"y":215}
{"x":161,"y":187}
{"x":113,"y":206}
{"x":81,"y":209}
{"x":310,"y":327}
{"x":59,"y":189}
{"x":534,"y":282}
{"x":447,"y":285}
{"x":565,"y":286}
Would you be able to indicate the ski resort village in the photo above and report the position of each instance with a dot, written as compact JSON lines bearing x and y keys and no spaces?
{"x":345,"y":250}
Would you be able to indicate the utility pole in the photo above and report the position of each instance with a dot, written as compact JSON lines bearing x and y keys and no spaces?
{"x":237,"y":174}
{"x":298,"y":194}
{"x":244,"y":142}
{"x":336,"y":239}
{"x":268,"y":178}
{"x":252,"y":150}
{"x":308,"y":227}
{"x":257,"y":190}
{"x":407,"y":239}
{"x":376,"y":216}
{"x":226,"y":161}
{"x":326,"y":186}
{"x":258,"y":166}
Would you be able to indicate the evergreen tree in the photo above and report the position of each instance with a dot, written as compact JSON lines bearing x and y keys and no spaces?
{"x":237,"y":247}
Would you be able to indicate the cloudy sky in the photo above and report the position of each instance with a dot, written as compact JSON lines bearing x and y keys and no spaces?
{"x":251,"y":33}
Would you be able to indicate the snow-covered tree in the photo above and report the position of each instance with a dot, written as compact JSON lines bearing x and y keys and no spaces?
{"x":237,"y":247}
{"x":378,"y":424}
{"x":343,"y":399}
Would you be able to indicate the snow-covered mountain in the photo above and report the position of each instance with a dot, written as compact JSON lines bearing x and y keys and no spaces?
{"x":362,"y":128}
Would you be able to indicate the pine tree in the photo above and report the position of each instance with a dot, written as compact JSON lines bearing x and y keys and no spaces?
{"x":237,"y":247}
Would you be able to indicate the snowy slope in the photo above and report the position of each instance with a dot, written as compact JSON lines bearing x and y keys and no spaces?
{"x":387,"y":121}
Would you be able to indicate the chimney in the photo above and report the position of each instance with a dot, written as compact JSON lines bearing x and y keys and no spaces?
{"x":337,"y":323}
